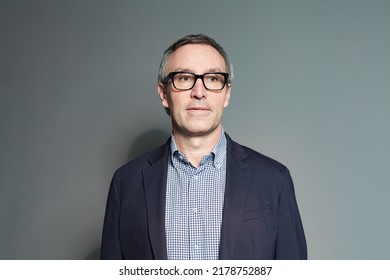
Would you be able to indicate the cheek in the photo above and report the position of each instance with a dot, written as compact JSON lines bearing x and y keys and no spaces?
{"x":180,"y":98}
{"x":175,"y":103}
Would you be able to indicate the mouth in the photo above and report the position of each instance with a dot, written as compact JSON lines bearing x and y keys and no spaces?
{"x":201,"y":109}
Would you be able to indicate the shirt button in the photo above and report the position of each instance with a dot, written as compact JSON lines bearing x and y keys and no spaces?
{"x":196,"y":247}
{"x":195,"y":177}
{"x":195,"y":210}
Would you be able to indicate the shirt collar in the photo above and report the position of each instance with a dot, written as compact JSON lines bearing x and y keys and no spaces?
{"x":218,"y":152}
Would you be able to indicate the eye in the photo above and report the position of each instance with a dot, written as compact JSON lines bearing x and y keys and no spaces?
{"x":184,"y":77}
{"x":213,"y":78}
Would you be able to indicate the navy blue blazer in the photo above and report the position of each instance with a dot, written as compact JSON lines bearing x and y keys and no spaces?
{"x":260,"y":214}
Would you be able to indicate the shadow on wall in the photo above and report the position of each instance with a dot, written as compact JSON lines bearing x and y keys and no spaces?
{"x":146,"y":142}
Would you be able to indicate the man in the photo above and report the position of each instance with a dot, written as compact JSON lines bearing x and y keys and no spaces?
{"x":201,"y":195}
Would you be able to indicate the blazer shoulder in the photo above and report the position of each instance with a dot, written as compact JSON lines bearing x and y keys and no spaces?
{"x":256,"y":159}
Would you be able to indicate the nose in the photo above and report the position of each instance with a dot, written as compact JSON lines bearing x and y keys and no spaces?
{"x":198,"y":91}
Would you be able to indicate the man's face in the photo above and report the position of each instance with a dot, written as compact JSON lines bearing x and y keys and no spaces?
{"x":198,"y":111}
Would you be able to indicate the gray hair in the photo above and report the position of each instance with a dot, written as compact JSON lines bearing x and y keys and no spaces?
{"x":194,"y":39}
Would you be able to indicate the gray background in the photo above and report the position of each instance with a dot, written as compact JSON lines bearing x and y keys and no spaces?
{"x":78,"y":99}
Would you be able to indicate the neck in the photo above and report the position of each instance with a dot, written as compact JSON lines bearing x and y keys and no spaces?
{"x":195,"y":147}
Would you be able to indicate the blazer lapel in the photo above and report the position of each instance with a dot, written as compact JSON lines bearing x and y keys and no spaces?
{"x":236,"y":191}
{"x":155,"y":180}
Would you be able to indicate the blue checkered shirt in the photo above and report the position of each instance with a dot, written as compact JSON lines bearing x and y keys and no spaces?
{"x":194,"y":203}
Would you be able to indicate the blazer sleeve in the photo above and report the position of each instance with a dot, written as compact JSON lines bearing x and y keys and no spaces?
{"x":110,"y":248}
{"x":291,"y":242}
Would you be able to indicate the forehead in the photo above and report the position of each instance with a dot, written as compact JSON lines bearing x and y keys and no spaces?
{"x":196,"y":58}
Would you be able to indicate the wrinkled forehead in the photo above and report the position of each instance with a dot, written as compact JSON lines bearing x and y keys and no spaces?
{"x":196,"y":58}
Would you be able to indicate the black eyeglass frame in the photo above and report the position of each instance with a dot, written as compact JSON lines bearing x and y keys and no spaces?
{"x":171,"y":75}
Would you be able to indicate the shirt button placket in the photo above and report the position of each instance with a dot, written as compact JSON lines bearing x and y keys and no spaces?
{"x":194,"y":217}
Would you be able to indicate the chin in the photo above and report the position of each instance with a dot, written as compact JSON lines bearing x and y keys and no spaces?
{"x":201,"y":131}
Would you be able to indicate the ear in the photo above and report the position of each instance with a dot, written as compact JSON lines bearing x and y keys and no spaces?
{"x":227,"y":96}
{"x":161,"y":89}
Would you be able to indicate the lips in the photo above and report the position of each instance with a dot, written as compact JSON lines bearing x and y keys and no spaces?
{"x":198,"y":108}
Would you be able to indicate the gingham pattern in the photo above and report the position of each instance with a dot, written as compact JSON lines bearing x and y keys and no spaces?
{"x":194,"y":202}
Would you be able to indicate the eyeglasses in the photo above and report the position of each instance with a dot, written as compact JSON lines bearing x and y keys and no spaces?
{"x":187,"y":80}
